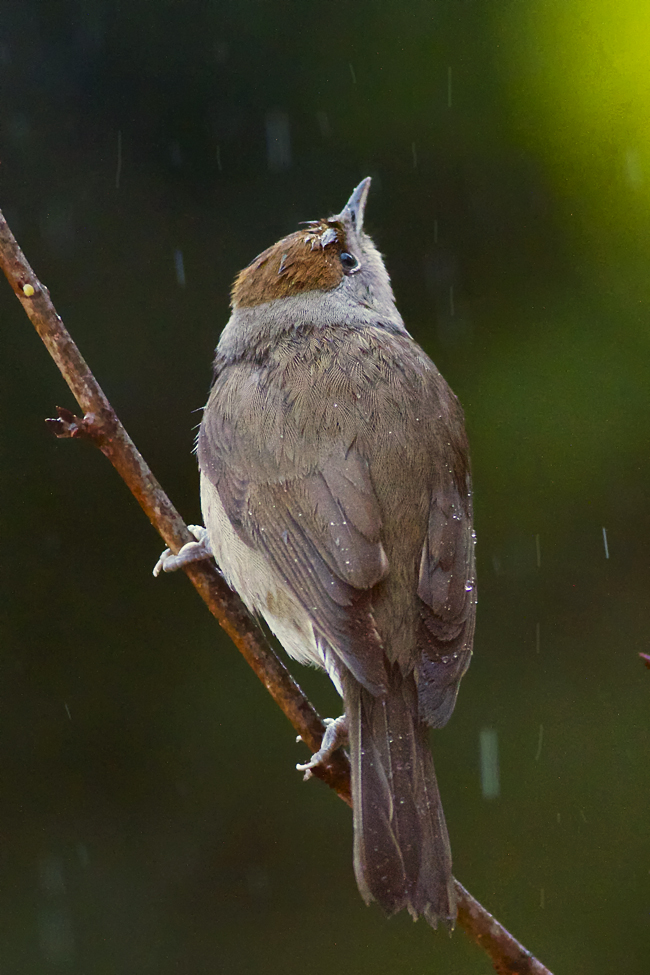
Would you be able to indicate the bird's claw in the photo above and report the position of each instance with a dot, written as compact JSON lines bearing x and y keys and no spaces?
{"x":190,"y":552}
{"x":335,"y":737}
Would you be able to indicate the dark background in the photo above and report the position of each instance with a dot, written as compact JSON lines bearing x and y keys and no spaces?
{"x":150,"y":815}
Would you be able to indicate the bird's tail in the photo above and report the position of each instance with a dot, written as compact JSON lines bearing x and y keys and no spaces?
{"x":402,"y":857}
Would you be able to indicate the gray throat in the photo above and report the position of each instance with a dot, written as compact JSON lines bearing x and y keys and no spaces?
{"x":332,"y":309}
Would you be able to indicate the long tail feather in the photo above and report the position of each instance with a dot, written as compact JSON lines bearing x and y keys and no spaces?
{"x":402,"y":857}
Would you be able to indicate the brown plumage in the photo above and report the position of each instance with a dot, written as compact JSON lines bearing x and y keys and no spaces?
{"x":337,"y":499}
{"x":305,"y":261}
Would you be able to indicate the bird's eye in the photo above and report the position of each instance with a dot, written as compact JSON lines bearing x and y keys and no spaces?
{"x":349,"y":262}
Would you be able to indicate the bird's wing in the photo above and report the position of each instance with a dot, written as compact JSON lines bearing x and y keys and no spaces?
{"x":319,"y":529}
{"x":447,"y":588}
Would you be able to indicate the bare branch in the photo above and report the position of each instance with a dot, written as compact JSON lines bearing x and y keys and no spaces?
{"x":508,"y":956}
{"x":101,"y":425}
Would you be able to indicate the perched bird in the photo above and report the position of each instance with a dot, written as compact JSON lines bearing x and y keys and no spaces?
{"x":336,"y":494}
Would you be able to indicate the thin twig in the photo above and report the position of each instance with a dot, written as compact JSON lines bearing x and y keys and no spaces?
{"x":101,"y":425}
{"x":508,"y":956}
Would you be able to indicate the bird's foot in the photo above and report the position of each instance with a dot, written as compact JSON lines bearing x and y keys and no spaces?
{"x":336,"y":736}
{"x":191,"y":552}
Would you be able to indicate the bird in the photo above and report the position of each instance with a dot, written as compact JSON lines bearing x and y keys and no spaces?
{"x":337,"y":500}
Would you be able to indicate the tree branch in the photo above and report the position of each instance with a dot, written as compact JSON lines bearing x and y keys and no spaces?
{"x":101,"y":425}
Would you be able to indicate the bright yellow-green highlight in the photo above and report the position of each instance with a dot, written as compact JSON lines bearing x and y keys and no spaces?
{"x":578,"y":77}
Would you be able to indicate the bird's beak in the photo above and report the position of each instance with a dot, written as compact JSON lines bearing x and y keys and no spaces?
{"x":354,"y":208}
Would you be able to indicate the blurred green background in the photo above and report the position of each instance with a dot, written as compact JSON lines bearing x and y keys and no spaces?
{"x":151,"y":817}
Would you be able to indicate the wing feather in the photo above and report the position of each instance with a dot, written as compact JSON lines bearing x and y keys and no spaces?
{"x":320,"y":533}
{"x":447,"y":588}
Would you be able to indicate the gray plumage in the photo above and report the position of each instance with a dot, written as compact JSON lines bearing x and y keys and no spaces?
{"x":336,"y":495}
